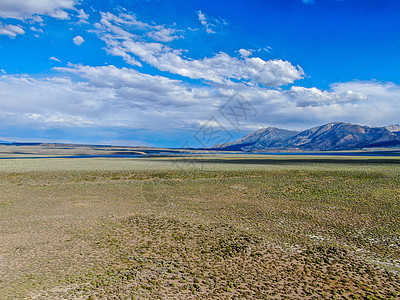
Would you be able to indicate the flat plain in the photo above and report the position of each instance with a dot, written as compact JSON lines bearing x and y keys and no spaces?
{"x":209,"y":227}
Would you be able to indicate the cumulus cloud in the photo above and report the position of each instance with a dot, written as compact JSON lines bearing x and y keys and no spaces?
{"x":315,"y":97}
{"x":11,"y":30}
{"x":22,"y":9}
{"x":383,"y":90}
{"x":219,"y":69}
{"x":78,"y":40}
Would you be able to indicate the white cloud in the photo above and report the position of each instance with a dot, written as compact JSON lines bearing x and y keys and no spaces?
{"x":57,"y":118}
{"x":245,"y":53}
{"x":305,"y":97}
{"x":368,"y":103}
{"x":35,"y":29}
{"x":78,"y":40}
{"x":23,"y":9}
{"x":28,"y":101}
{"x":210,"y":24}
{"x":131,"y":24}
{"x":82,"y":16}
{"x":11,"y":30}
{"x":60,"y":14}
{"x":129,"y":21}
{"x":203,"y":21}
{"x":383,"y":90}
{"x":164,"y":34}
{"x":55,"y":59}
{"x":219,"y":69}
{"x":105,"y":96}
{"x":37,"y":19}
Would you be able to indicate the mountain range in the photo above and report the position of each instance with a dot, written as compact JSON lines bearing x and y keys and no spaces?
{"x":329,"y":137}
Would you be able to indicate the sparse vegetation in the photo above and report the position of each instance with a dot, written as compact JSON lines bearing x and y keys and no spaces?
{"x":270,"y":229}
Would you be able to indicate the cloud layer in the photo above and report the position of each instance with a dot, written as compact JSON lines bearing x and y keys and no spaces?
{"x":123,"y":97}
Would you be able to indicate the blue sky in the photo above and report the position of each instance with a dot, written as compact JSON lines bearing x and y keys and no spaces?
{"x":161,"y":73}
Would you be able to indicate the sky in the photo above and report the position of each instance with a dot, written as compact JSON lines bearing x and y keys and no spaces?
{"x":191,"y":73}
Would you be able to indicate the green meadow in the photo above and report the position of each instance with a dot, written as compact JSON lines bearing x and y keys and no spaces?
{"x":200,"y":227}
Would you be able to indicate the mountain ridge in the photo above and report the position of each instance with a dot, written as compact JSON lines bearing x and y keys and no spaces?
{"x":332,"y":136}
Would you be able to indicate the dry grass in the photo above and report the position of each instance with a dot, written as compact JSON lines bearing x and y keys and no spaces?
{"x":225,"y":231}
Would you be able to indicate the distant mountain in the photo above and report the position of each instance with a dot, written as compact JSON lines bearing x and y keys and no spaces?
{"x":263,"y":138}
{"x":339,"y":136}
{"x":332,"y":136}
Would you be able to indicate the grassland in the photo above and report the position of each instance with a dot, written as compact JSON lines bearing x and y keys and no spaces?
{"x":216,"y":227}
